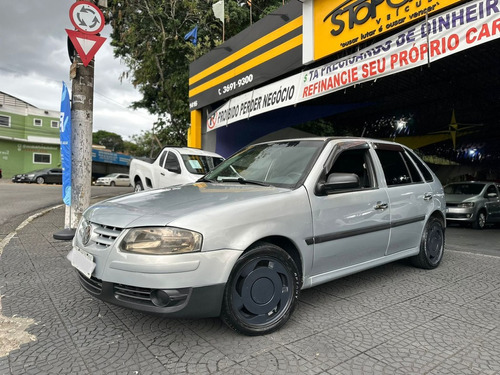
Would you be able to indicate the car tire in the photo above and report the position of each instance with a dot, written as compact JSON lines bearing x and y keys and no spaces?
{"x":138,"y":186}
{"x":112,"y":183}
{"x":40,"y":180}
{"x":480,"y":221}
{"x":431,"y":245}
{"x":262,"y":291}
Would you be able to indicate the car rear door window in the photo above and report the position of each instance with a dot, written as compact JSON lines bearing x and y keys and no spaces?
{"x":397,"y":166}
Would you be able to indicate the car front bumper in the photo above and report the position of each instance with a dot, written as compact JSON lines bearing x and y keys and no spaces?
{"x":460,"y":214}
{"x":183,"y":285}
{"x":199,"y":302}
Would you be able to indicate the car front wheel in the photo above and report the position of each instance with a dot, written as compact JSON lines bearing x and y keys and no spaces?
{"x":431,"y":245}
{"x":480,"y":221}
{"x":40,"y":180}
{"x":262,"y":291}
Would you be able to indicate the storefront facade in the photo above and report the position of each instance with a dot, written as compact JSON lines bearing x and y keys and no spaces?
{"x":351,"y":62}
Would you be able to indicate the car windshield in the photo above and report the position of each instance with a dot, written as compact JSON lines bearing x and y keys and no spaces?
{"x":464,"y":189}
{"x":200,"y":164}
{"x":112,"y":175}
{"x":281,"y":163}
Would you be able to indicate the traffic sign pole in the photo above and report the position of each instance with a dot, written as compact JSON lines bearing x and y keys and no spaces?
{"x":88,"y":20}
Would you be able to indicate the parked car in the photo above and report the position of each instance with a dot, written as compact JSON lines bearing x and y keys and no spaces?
{"x":472,"y":202}
{"x":113,"y":179}
{"x":173,"y":166}
{"x":275,"y":218}
{"x":41,"y":176}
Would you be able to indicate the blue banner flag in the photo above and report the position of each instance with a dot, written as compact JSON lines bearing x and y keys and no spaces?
{"x":65,"y":136}
{"x":192,"y":36}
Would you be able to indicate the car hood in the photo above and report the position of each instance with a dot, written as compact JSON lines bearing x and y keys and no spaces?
{"x":161,"y":206}
{"x":459,"y":198}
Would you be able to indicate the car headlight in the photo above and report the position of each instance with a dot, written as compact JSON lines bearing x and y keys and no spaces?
{"x":466,"y":205}
{"x":161,"y":241}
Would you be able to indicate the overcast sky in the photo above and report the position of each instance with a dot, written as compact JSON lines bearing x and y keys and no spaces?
{"x":34,"y":61}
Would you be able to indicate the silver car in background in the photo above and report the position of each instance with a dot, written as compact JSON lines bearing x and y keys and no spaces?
{"x":476,"y":203}
{"x":114,"y":179}
{"x":275,"y":218}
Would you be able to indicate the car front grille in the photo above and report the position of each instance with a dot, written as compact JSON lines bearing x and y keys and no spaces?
{"x":103,"y":236}
{"x":133,"y":294}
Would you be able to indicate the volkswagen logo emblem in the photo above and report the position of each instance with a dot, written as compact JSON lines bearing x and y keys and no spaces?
{"x":86,"y":232}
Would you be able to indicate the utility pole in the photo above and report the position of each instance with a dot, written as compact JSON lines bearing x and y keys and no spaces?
{"x":83,"y":43}
{"x":81,"y":139}
{"x":89,"y":21}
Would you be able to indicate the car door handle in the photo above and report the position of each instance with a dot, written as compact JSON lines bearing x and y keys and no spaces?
{"x":163,"y":174}
{"x":427,"y":196}
{"x":381,"y":206}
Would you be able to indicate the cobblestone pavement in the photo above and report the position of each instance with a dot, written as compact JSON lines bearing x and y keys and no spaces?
{"x":394,"y":319}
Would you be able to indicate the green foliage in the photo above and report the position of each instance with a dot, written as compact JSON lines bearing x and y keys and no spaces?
{"x":111,"y":141}
{"x":145,"y":144}
{"x":148,"y":35}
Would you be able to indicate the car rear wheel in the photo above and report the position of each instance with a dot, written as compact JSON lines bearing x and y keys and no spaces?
{"x":138,"y":186}
{"x":431,"y":246}
{"x":40,"y":180}
{"x":480,"y":221}
{"x":262,"y":291}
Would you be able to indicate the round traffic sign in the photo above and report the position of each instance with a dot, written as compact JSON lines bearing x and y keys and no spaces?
{"x":86,"y":17}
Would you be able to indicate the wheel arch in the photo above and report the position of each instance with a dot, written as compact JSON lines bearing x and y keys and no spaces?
{"x":440,"y":216}
{"x":286,"y":244}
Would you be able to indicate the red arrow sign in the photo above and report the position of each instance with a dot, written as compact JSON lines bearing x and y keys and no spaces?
{"x":86,"y":45}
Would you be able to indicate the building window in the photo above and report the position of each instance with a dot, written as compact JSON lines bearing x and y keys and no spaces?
{"x":54,"y":124}
{"x":5,"y":121}
{"x":37,"y":122}
{"x":42,"y":158}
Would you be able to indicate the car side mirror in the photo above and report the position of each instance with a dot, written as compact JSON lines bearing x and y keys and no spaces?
{"x":492,"y":195}
{"x":338,"y":182}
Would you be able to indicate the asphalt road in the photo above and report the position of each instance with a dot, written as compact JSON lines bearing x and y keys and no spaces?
{"x":20,"y":201}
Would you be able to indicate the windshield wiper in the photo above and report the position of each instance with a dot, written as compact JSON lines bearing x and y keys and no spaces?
{"x":242,"y":181}
{"x":203,"y":179}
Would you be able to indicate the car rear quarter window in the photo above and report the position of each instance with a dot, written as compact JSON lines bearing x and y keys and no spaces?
{"x":421,"y":166}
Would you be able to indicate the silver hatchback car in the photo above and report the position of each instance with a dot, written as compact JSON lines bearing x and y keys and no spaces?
{"x":472,"y":202}
{"x":275,"y":218}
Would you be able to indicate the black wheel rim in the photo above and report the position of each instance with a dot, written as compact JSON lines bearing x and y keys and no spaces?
{"x":262,"y":292}
{"x":435,"y":243}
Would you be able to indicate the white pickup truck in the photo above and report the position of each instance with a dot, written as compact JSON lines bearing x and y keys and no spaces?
{"x":173,"y":166}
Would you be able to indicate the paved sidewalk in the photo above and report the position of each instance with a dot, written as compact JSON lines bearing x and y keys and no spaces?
{"x":394,"y":319}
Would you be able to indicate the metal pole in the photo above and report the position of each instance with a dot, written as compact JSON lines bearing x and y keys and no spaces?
{"x":81,"y":138}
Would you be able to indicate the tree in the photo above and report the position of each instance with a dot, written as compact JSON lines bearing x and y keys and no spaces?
{"x":111,"y":141}
{"x":149,"y":37}
{"x":145,"y":144}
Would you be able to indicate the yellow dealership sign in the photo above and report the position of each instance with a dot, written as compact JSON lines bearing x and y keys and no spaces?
{"x":340,"y":24}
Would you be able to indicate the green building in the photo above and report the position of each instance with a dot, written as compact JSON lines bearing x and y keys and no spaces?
{"x":29,"y":137}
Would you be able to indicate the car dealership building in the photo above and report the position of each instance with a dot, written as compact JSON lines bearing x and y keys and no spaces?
{"x":426,"y":68}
